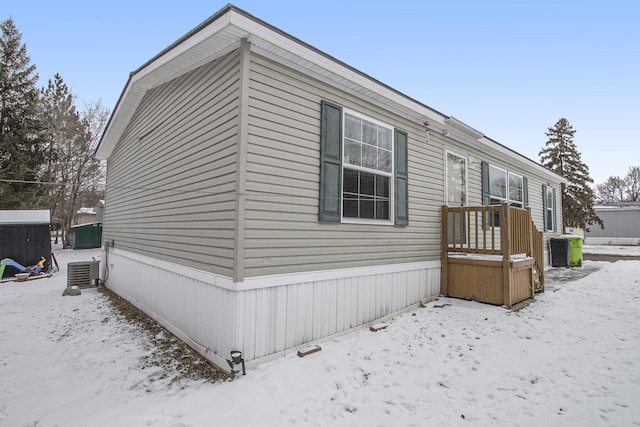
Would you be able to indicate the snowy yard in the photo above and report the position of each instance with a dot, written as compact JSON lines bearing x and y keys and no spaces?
{"x":569,"y":358}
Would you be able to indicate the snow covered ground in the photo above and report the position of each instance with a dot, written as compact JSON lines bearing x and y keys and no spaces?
{"x":608,"y":249}
{"x":569,"y":358}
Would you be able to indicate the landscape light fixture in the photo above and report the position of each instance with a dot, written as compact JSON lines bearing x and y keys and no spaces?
{"x":236,"y":359}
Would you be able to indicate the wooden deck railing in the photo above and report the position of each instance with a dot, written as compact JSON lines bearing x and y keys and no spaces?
{"x":493,"y":230}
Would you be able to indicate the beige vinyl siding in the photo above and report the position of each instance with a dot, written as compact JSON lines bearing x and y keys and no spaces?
{"x":171,"y":178}
{"x":283,"y":234}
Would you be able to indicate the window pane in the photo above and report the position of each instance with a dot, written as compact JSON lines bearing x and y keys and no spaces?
{"x":549,"y":219}
{"x":549,"y":198}
{"x":350,"y":181}
{"x":353,"y":152}
{"x":515,"y":188}
{"x":456,"y":180}
{"x":366,"y":207}
{"x":369,"y":133}
{"x":384,"y":160}
{"x":382,"y":186}
{"x":352,"y":127}
{"x":497,"y":182}
{"x":367,"y":184}
{"x":384,"y":138}
{"x":350,"y":208}
{"x":365,"y":195}
{"x":382,"y":209}
{"x":369,"y":156}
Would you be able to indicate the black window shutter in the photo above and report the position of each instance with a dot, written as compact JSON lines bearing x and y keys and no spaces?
{"x":525,"y":192}
{"x":555,"y":221}
{"x":330,"y":162}
{"x":547,"y":227}
{"x":485,"y":184}
{"x":401,"y":178}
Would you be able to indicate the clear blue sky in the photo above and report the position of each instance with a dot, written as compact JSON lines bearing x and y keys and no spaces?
{"x":508,"y":68}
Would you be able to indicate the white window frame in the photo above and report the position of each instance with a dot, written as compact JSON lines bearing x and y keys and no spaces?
{"x":549,"y":202}
{"x":508,"y":175}
{"x":512,"y":202}
{"x":390,"y":175}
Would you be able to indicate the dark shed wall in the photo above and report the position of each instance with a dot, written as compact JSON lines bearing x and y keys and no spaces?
{"x":25,"y":244}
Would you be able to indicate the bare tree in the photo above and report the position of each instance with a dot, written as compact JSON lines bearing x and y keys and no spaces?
{"x":632,"y":182}
{"x":611,"y":191}
{"x":72,"y":138}
{"x":616,"y":189}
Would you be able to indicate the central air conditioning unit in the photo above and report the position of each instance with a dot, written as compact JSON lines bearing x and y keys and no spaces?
{"x":83,"y":274}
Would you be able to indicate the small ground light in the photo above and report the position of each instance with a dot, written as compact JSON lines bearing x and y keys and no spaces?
{"x":236,"y":359}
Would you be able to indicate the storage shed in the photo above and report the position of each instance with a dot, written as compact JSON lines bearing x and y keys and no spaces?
{"x":85,"y":236}
{"x":25,"y":237}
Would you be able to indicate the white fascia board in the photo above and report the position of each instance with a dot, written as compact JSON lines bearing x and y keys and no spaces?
{"x":169,"y":65}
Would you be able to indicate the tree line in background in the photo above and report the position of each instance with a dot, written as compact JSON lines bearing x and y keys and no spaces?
{"x":46,"y":145}
{"x":619,"y":190}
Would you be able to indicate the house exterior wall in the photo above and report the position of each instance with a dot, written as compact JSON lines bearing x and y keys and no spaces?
{"x":212,"y":206}
{"x":85,"y":218}
{"x":171,"y":179}
{"x":283,"y":233}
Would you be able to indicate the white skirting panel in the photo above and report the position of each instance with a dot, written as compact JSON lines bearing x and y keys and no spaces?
{"x":265,"y":317}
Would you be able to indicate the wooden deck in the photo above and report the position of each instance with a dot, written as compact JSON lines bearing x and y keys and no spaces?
{"x":491,"y":254}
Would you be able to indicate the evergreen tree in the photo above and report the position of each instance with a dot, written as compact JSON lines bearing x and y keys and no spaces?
{"x":561,"y":156}
{"x":21,"y":153}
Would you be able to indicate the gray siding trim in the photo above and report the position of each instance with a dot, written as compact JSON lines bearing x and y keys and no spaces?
{"x":171,"y":178}
{"x":241,"y":163}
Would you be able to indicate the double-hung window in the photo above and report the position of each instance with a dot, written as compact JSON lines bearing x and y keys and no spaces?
{"x":363,"y":169}
{"x":367,"y":169}
{"x":549,"y":208}
{"x":500,"y":185}
{"x":505,"y":186}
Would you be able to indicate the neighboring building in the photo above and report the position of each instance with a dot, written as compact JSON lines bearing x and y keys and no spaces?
{"x":262,"y":194}
{"x":85,"y":216}
{"x":100,"y":211}
{"x":621,"y":225}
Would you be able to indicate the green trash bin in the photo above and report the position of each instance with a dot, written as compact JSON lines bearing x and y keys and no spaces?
{"x":575,"y":249}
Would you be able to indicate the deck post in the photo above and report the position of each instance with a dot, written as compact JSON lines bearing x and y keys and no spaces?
{"x":505,"y":248}
{"x":444,"y":279}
